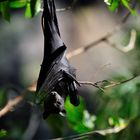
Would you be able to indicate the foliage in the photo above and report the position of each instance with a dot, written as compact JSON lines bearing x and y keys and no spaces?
{"x":114,"y":4}
{"x":3,"y":133}
{"x":34,"y":6}
{"x":79,"y":118}
{"x":116,"y":108}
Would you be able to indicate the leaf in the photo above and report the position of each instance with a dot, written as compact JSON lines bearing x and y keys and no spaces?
{"x":5,"y":10}
{"x":78,"y":117}
{"x":18,"y":3}
{"x":117,"y":121}
{"x":114,"y":5}
{"x":32,"y":8}
{"x":108,"y":2}
{"x":74,"y":114}
{"x":3,"y":133}
{"x":126,"y":4}
{"x":88,"y":120}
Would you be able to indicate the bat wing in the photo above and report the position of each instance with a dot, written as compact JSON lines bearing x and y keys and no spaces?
{"x":54,"y":47}
{"x":55,"y":65}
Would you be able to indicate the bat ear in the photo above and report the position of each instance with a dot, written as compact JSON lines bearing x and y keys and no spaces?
{"x":63,"y":112}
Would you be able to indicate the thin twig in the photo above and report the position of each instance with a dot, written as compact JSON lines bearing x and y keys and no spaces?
{"x":113,"y":84}
{"x":110,"y":83}
{"x":92,"y":84}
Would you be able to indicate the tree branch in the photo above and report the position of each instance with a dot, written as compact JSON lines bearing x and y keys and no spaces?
{"x":10,"y":105}
{"x":14,"y":102}
{"x":110,"y":84}
{"x":100,"y":132}
{"x":103,"y":38}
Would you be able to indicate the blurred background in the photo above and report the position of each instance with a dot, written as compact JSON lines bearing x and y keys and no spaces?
{"x":21,"y":54}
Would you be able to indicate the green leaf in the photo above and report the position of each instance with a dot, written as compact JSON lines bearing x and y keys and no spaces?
{"x":32,"y":8}
{"x":117,"y":121}
{"x":74,"y":114}
{"x":114,"y":5}
{"x":5,"y":10}
{"x":78,"y":117}
{"x":108,"y":2}
{"x":18,"y":3}
{"x":3,"y":133}
{"x":28,"y":10}
{"x":126,"y":4}
{"x":88,"y":120}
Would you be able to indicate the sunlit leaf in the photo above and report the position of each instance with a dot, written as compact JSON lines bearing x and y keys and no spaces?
{"x":116,"y":121}
{"x":79,"y":118}
{"x":108,"y":2}
{"x":88,"y":120}
{"x":32,"y":8}
{"x":114,"y":5}
{"x":74,"y":114}
{"x":18,"y":3}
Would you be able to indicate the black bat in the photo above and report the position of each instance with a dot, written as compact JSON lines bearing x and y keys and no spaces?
{"x":57,"y":77}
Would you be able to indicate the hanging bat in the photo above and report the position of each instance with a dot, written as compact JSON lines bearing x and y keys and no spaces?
{"x":57,"y":78}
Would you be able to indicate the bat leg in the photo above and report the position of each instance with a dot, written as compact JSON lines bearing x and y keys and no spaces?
{"x":73,"y":93}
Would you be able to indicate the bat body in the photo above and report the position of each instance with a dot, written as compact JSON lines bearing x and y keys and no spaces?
{"x":57,"y":77}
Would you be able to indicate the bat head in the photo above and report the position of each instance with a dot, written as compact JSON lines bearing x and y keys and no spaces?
{"x":54,"y":104}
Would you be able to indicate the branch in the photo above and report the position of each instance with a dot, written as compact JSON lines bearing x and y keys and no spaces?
{"x":110,"y":83}
{"x":14,"y":102}
{"x":93,"y":84}
{"x":103,"y":38}
{"x":94,"y":43}
{"x":10,"y":105}
{"x":113,"y":84}
{"x":101,"y":132}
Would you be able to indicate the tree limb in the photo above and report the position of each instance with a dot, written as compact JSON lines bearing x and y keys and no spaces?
{"x":100,"y":132}
{"x":14,"y":102}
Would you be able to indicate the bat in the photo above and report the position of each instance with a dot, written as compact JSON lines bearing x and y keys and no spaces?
{"x":57,"y":78}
